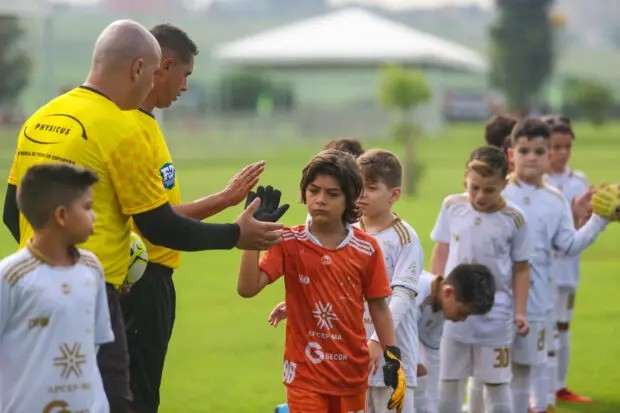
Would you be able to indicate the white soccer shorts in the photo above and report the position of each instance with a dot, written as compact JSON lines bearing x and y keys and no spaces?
{"x":531,"y":349}
{"x":459,"y":361}
{"x":377,"y":400}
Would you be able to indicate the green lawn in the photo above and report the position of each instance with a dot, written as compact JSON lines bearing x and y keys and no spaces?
{"x":224,"y":356}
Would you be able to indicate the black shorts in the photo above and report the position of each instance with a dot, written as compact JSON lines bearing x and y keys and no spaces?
{"x":113,"y":358}
{"x":149,"y":311}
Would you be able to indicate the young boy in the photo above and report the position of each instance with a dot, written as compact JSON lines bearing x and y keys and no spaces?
{"x":329,"y":269}
{"x":497,"y":131}
{"x":468,"y":289}
{"x":479,"y":226}
{"x":53,"y":305}
{"x":404,"y":259}
{"x":551,"y":220}
{"x":564,"y":270}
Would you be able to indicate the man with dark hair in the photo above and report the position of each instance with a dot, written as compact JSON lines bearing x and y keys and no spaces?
{"x":149,"y":307}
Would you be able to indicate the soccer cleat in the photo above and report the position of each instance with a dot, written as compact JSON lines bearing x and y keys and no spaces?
{"x":567,"y":395}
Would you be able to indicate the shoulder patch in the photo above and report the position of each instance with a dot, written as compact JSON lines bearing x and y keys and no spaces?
{"x":403,"y":233}
{"x":456,"y":199}
{"x":553,"y":190}
{"x":580,"y":176}
{"x":515,"y":215}
{"x":17,"y":271}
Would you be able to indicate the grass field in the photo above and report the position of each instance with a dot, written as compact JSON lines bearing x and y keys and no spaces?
{"x":224,"y":357}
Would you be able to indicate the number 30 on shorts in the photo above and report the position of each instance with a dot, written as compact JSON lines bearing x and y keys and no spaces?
{"x":502,"y":358}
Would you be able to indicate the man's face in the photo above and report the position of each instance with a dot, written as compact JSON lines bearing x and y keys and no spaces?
{"x":171,"y":80}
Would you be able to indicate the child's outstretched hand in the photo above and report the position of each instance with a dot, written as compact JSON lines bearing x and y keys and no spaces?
{"x":277,"y":314}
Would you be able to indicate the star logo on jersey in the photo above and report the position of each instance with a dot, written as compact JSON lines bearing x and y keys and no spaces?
{"x":324,"y":315}
{"x":71,"y":360}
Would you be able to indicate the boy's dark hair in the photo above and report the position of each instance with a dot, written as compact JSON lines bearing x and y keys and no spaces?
{"x":498,"y":128}
{"x":349,"y":145}
{"x":172,"y":38}
{"x":530,"y":128}
{"x":47,"y":186}
{"x":474,"y":286}
{"x":488,"y":161}
{"x":559,"y":124}
{"x":342,"y":167}
{"x":378,"y":165}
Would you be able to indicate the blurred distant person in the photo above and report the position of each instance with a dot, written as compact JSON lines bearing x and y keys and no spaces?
{"x":349,"y":145}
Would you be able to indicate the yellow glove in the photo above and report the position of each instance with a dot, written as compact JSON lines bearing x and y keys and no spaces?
{"x":606,"y":202}
{"x":394,"y":376}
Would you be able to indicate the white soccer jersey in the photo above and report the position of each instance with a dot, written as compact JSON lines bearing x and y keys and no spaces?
{"x":551,"y":222}
{"x":51,"y":319}
{"x":565,"y":269}
{"x":497,"y":240}
{"x":430,"y":320}
{"x":404,"y":260}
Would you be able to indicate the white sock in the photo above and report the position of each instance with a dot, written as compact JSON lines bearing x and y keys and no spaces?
{"x":498,"y":398}
{"x":540,"y":387}
{"x":421,"y":404}
{"x":475,"y":398}
{"x":552,"y":368}
{"x":451,"y":396}
{"x":563,"y":356}
{"x":521,"y":381}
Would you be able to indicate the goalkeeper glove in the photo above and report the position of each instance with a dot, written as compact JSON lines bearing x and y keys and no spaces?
{"x":606,"y":202}
{"x":269,"y":209}
{"x":394,"y":376}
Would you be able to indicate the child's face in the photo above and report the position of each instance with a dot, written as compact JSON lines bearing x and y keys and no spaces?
{"x":453,"y":309}
{"x":531,"y":158}
{"x":485,"y":192}
{"x":377,"y":198}
{"x":78,"y":218}
{"x":559,"y":152}
{"x":325,"y":200}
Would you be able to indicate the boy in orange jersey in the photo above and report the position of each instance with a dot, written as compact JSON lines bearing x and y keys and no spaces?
{"x":329,"y":267}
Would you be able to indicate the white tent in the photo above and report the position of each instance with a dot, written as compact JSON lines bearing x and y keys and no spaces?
{"x":349,"y":37}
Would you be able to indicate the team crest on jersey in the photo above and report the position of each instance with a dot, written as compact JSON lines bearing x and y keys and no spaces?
{"x":326,"y":260}
{"x":168,"y":175}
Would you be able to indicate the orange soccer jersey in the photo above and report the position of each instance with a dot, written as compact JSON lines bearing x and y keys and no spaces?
{"x":326,"y":348}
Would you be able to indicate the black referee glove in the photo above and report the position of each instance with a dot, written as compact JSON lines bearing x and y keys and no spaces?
{"x":269,"y":209}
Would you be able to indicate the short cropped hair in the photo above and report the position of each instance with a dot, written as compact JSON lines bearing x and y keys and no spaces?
{"x":172,"y":38}
{"x":498,"y":128}
{"x":349,"y":145}
{"x":559,"y":124}
{"x":378,"y":165}
{"x":488,"y":161}
{"x":343,"y":168}
{"x":474,"y":286}
{"x":47,"y":186}
{"x":530,"y":128}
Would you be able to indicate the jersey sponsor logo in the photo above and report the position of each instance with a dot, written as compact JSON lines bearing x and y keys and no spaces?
{"x":68,"y":388}
{"x":316,"y":355}
{"x":70,"y":360}
{"x":288,"y":371}
{"x":50,"y":128}
{"x":168,"y":175}
{"x":324,"y":314}
{"x":324,"y":335}
{"x":38,"y":322}
{"x":65,"y":288}
{"x":57,"y":406}
{"x":304,"y":279}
